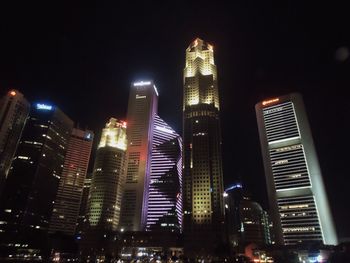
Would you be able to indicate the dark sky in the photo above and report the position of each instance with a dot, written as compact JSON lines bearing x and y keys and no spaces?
{"x":83,"y":57}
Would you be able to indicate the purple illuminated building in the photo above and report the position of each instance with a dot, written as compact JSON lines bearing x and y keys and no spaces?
{"x":165,"y":195}
{"x":152,"y":191}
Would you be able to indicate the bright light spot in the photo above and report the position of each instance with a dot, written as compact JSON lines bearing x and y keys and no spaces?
{"x":142,"y":83}
{"x":164,"y":129}
{"x":155,"y":89}
{"x":267,"y":102}
{"x":13,"y":93}
{"x":114,"y":135}
{"x":234,"y":187}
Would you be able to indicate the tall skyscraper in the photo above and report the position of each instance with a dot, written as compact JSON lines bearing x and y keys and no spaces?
{"x":203,"y":176}
{"x":108,"y":177}
{"x":67,"y":202}
{"x":297,"y":197}
{"x":31,"y":186}
{"x":14,"y":110}
{"x":99,"y":235}
{"x":142,"y":110}
{"x":152,"y":198}
{"x":165,"y":187}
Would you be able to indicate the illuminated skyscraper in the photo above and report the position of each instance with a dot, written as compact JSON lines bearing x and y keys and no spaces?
{"x":31,"y":186}
{"x":67,"y":203}
{"x":297,"y":197}
{"x":142,"y":110}
{"x":108,"y":177}
{"x":165,"y":188}
{"x":203,"y":178}
{"x":14,"y":109}
{"x":152,"y":198}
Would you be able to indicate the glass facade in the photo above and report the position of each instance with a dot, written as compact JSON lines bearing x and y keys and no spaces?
{"x":31,"y":187}
{"x":67,"y":203}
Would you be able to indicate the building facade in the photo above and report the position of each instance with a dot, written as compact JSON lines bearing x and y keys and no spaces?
{"x":202,"y":172}
{"x":246,"y":222}
{"x":164,"y":211}
{"x":152,"y":198}
{"x":108,"y":178}
{"x":68,"y":199}
{"x":297,"y":196}
{"x":142,"y":110}
{"x":14,"y":110}
{"x":30,"y":190}
{"x":233,"y":196}
{"x":82,"y":218}
{"x":253,"y":223}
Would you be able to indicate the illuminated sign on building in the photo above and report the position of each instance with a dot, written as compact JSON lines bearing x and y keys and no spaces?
{"x":267,"y":102}
{"x":142,"y":83}
{"x":41,"y":106}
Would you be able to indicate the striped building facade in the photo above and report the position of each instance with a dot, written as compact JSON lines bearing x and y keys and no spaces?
{"x":297,"y":196}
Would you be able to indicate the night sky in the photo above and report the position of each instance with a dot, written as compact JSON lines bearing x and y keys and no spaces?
{"x":84,"y":57}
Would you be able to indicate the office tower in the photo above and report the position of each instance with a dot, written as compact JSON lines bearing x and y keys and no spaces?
{"x":203,"y":178}
{"x":14,"y":109}
{"x":108,"y":177}
{"x":297,"y":197}
{"x":142,"y":110}
{"x":67,"y":202}
{"x":232,"y":197}
{"x":31,"y":186}
{"x":253,"y":220}
{"x":246,"y":221}
{"x":82,"y":218}
{"x":99,"y":236}
{"x":152,"y":198}
{"x":165,"y":195}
